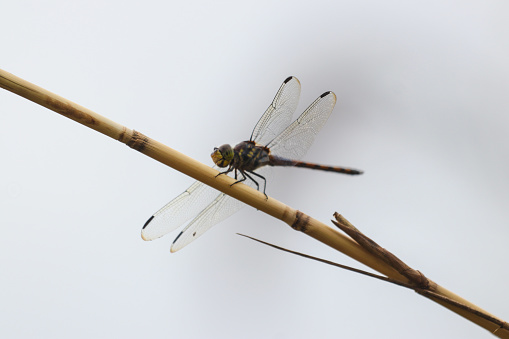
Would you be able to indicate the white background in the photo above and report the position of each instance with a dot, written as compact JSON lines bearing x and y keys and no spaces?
{"x":422,"y":107}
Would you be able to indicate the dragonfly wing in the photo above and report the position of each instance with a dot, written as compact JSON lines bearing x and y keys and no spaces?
{"x":179,"y":210}
{"x":295,"y":140}
{"x":279,"y":114}
{"x":221,"y":208}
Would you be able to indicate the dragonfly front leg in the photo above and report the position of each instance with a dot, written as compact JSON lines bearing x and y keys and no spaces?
{"x":230,"y":168}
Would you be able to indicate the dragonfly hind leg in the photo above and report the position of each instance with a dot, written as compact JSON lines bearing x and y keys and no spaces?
{"x":264,"y":182}
{"x":245,"y":176}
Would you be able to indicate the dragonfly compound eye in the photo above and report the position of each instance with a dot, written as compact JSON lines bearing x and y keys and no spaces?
{"x":223,"y":155}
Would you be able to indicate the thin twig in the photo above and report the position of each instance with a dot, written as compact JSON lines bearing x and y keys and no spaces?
{"x":419,"y":290}
{"x":332,"y":263}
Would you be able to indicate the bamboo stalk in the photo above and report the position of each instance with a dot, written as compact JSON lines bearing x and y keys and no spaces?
{"x":207,"y":175}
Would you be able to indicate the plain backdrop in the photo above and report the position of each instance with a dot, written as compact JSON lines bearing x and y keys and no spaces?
{"x":423,"y":102}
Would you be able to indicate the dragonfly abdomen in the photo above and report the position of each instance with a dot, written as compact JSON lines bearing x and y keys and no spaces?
{"x":277,"y":161}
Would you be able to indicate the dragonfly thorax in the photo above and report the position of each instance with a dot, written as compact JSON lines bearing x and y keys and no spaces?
{"x":223,"y":155}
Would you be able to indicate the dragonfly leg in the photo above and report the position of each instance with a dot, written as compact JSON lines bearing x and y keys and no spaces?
{"x":240,"y":180}
{"x":227,"y":171}
{"x":251,"y":178}
{"x":264,"y":182}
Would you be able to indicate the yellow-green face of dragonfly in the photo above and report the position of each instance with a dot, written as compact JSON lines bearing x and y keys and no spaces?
{"x":223,"y":155}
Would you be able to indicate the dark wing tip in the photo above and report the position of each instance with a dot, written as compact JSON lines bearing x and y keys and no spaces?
{"x":287,"y":80}
{"x":178,"y":236}
{"x":148,"y":222}
{"x":325,"y":94}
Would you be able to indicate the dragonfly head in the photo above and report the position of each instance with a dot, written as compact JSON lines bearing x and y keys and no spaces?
{"x":223,"y":155}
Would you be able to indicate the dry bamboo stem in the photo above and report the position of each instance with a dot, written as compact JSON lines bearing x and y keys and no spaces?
{"x":207,"y":175}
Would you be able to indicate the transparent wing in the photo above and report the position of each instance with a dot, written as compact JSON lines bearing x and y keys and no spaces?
{"x":221,"y":208}
{"x":212,"y":206}
{"x":295,"y":140}
{"x":179,"y":210}
{"x":279,"y":114}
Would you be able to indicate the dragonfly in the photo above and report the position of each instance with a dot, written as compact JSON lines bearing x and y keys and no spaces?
{"x":275,"y":141}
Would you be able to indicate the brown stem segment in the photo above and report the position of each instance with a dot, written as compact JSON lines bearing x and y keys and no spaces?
{"x":421,"y":284}
{"x":415,"y":277}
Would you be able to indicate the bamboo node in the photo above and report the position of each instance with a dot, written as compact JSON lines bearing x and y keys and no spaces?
{"x":301,"y":222}
{"x":138,"y":141}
